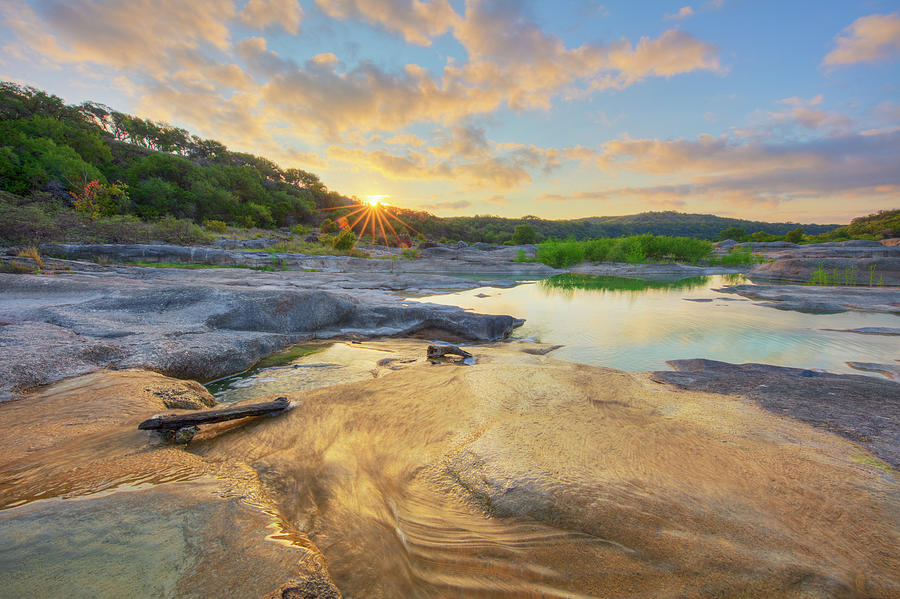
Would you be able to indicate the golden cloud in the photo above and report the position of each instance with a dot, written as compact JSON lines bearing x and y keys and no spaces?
{"x":867,"y":39}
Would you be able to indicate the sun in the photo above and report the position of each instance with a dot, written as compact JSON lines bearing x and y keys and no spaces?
{"x":375,"y":200}
{"x":374,"y":218}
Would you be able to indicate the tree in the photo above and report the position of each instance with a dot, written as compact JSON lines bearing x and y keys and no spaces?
{"x":794,"y":236}
{"x":735,"y":233}
{"x":523,"y":234}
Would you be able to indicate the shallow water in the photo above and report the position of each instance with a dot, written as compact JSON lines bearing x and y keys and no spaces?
{"x":624,"y":324}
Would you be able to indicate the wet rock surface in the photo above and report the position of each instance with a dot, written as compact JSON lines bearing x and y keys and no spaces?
{"x":862,"y":262}
{"x":439,"y":259}
{"x":517,"y":476}
{"x":860,"y":408}
{"x":821,"y":299}
{"x":201,"y":325}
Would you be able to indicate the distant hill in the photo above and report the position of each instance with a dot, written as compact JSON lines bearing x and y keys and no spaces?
{"x":883,"y":224}
{"x":497,"y":229}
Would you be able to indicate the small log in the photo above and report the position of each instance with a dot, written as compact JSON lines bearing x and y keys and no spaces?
{"x":439,"y":351}
{"x":170,"y":422}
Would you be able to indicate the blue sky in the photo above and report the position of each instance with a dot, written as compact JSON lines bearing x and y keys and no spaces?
{"x":765,"y":110}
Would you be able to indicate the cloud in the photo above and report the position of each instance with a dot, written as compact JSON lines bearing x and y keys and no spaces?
{"x":454,"y":206}
{"x":683,"y":13}
{"x":496,"y":200}
{"x":741,"y":172}
{"x":670,"y":196}
{"x":868,"y":39}
{"x":805,"y":114}
{"x":406,"y":139}
{"x":155,"y":36}
{"x":261,"y":14}
{"x":487,"y":172}
{"x":510,"y":54}
{"x":418,"y":22}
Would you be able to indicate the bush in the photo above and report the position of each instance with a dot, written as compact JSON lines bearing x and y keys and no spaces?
{"x":635,"y":249}
{"x":597,"y":250}
{"x":299,"y":230}
{"x":737,"y":257}
{"x":523,"y":234}
{"x":216,"y":226}
{"x":794,"y":236}
{"x":345,"y":241}
{"x":561,"y":254}
{"x":328,"y":226}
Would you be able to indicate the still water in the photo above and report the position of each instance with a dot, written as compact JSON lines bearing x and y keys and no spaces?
{"x":638,"y":325}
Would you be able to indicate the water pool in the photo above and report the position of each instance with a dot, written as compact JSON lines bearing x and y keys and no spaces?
{"x":638,"y":325}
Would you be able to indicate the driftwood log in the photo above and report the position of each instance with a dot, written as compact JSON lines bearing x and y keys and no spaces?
{"x":439,"y":351}
{"x":181,"y":428}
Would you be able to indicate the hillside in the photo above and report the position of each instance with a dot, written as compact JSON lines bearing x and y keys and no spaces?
{"x":56,"y":157}
{"x":497,"y":229}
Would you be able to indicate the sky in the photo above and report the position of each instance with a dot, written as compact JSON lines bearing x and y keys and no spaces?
{"x":767,"y":110}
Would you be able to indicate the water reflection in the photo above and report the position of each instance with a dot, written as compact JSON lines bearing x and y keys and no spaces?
{"x":637,"y":325}
{"x":572,"y":281}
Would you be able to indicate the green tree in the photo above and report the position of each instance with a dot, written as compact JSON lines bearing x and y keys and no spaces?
{"x":735,"y":233}
{"x":794,"y":236}
{"x":523,"y":234}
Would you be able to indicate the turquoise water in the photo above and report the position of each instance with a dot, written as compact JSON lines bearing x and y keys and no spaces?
{"x":634,"y":325}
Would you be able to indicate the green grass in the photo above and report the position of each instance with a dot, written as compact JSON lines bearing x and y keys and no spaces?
{"x":870,"y":461}
{"x":840,"y":277}
{"x":737,"y":257}
{"x":635,"y":249}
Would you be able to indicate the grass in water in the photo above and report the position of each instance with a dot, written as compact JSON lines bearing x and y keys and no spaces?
{"x":839,"y":277}
{"x":635,"y":249}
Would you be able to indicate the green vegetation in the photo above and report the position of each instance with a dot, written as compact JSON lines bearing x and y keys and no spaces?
{"x":523,"y":234}
{"x":884,"y":224}
{"x":737,"y":257}
{"x":62,"y":167}
{"x":345,"y":241}
{"x":494,"y":229}
{"x":872,"y":461}
{"x":572,"y":281}
{"x":635,"y":249}
{"x":845,"y":276}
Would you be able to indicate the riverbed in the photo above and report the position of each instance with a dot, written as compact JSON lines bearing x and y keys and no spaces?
{"x":637,"y":325}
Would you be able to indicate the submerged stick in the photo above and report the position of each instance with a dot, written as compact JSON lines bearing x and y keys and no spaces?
{"x":173,"y":422}
{"x":439,"y":351}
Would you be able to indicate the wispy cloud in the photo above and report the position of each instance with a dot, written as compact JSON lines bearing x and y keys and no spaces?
{"x":683,"y":13}
{"x":867,"y":39}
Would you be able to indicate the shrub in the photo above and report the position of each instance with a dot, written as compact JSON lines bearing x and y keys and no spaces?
{"x":32,"y":252}
{"x":345,"y":241}
{"x":216,"y":226}
{"x":794,"y":236}
{"x":409,"y":254}
{"x":299,"y":230}
{"x":328,"y":226}
{"x":561,"y":254}
{"x":737,"y":257}
{"x":523,"y":234}
{"x":597,"y":250}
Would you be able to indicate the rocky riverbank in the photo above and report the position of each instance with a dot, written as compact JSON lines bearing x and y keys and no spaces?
{"x":203,"y":324}
{"x":518,"y":475}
